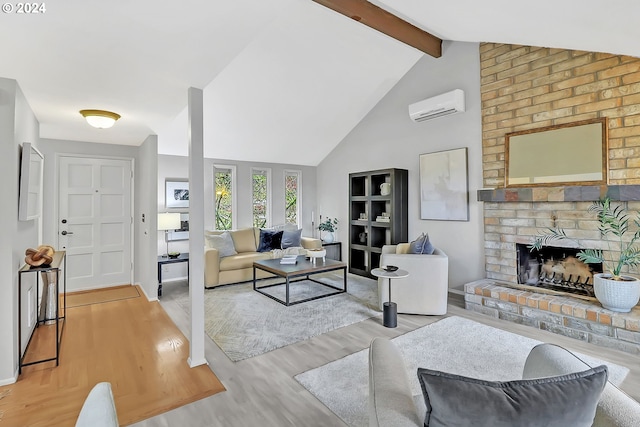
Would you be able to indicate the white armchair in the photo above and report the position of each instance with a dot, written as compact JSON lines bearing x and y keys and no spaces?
{"x":426,"y":288}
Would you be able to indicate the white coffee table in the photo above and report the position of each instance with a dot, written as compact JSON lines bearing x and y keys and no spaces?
{"x":389,"y":309}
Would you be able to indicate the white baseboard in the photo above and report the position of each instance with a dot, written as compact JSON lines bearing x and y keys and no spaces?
{"x":7,"y":381}
{"x":193,"y":364}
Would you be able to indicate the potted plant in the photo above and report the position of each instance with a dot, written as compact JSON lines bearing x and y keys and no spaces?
{"x":615,"y":291}
{"x":329,"y":225}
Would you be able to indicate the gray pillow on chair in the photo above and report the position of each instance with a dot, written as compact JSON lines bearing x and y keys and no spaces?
{"x":566,"y":400}
{"x":421,"y":245}
{"x":415,"y":247}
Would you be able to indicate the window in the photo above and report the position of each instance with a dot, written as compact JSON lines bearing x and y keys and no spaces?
{"x":292,"y":188}
{"x":225,"y":197}
{"x":261,"y":197}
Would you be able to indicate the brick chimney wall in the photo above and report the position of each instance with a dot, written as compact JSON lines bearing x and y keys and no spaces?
{"x":524,"y":87}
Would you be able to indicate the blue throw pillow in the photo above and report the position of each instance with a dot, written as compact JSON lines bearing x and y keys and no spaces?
{"x":292,"y":239}
{"x":565,"y":400}
{"x":421,"y":245}
{"x":427,"y":247}
{"x":415,"y":247}
{"x":269,"y":240}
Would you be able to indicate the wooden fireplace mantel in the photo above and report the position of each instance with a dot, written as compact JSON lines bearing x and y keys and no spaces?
{"x":574,"y":193}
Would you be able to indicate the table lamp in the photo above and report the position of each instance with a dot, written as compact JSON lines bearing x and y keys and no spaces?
{"x":168,"y":221}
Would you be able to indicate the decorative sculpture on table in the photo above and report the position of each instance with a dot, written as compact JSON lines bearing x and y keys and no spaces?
{"x":42,"y":255}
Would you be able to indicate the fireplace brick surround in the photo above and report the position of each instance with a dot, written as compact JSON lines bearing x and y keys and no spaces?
{"x":579,"y":318}
{"x":522,"y":88}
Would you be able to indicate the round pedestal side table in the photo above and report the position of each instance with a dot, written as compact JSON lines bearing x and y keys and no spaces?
{"x":389,"y":309}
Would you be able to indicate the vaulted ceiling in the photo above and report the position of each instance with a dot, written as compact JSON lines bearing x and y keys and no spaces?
{"x":283,"y":80}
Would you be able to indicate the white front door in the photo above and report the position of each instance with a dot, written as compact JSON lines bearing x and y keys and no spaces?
{"x":94,"y":222}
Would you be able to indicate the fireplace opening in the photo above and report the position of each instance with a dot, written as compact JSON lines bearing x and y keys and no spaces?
{"x":555,"y":268}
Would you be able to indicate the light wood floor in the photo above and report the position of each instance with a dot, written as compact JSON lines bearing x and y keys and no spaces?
{"x":131,"y":343}
{"x":262,"y":391}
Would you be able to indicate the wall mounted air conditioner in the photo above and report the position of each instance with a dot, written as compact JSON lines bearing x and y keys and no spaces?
{"x":438,"y":106}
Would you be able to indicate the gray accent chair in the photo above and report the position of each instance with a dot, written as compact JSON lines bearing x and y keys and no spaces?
{"x":392,"y":404}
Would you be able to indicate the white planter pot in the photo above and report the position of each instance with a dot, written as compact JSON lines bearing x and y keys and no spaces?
{"x":616,"y":295}
{"x":328,"y":237}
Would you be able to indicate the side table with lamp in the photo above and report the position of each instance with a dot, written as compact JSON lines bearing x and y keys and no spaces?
{"x":169,"y":221}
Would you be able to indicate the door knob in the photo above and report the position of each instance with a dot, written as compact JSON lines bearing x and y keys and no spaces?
{"x":65,"y":232}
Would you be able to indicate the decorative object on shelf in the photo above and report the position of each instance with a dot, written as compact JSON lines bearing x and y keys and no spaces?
{"x":169,"y":221}
{"x":383,"y":218}
{"x":385,"y":189}
{"x":100,"y":119}
{"x":363,"y":237}
{"x":615,"y":291}
{"x":363,"y":216}
{"x":176,"y":193}
{"x":42,"y":255}
{"x":444,"y":193}
{"x":329,"y":226}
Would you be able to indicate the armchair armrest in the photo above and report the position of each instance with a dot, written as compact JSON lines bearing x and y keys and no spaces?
{"x":389,"y":249}
{"x":311,"y":243}
{"x":211,"y":267}
{"x":390,"y":399}
{"x":99,"y":409}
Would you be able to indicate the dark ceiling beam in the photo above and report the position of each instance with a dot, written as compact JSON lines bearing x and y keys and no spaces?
{"x":387,"y":23}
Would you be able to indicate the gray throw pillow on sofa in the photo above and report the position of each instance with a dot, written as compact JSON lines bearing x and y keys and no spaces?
{"x":222,"y":242}
{"x":566,"y":400}
{"x":291,"y":239}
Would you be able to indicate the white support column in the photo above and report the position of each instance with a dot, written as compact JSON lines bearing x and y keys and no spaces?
{"x":196,"y":227}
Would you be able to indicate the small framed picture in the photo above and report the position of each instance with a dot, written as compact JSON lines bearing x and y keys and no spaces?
{"x":176,"y":193}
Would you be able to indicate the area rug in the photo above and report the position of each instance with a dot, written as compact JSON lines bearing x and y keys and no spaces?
{"x":454,"y":345}
{"x":244,"y":323}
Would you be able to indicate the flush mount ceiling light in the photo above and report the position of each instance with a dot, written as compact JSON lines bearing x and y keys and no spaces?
{"x":99,"y":118}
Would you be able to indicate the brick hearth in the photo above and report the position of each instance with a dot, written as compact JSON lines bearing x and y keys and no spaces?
{"x":580,"y":318}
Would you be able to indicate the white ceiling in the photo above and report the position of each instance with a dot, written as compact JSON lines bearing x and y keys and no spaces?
{"x":283,"y":80}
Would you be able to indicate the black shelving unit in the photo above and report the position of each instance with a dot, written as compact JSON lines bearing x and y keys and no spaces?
{"x":367,"y":235}
{"x":57,"y":321}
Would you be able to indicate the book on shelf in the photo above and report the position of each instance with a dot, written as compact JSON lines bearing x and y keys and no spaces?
{"x":289,"y":259}
{"x":383,"y":219}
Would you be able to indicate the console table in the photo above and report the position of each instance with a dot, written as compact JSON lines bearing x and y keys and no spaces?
{"x":44,"y":321}
{"x":162,"y":260}
{"x":334,"y":250}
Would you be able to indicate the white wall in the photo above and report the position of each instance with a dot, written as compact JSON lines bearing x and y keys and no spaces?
{"x":387,"y":138}
{"x":18,"y":124}
{"x":145,"y":219}
{"x":178,"y":167}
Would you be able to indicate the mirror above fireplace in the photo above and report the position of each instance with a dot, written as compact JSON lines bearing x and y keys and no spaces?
{"x":568,"y":154}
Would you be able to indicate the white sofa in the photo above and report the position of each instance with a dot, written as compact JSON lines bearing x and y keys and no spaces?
{"x":392,"y":404}
{"x":425,"y":290}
